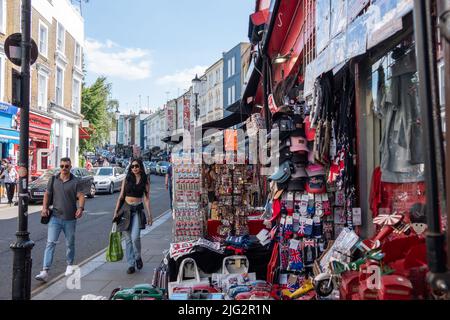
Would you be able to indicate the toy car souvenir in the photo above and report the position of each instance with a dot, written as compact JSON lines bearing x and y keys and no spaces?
{"x":139,"y":292}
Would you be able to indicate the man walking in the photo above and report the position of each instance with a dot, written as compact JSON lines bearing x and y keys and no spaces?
{"x":65,"y":191}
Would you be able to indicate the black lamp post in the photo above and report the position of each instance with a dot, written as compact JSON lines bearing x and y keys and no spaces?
{"x":21,"y":278}
{"x":196,"y":90}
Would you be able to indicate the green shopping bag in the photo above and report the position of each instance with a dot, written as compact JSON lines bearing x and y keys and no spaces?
{"x":115,"y":251}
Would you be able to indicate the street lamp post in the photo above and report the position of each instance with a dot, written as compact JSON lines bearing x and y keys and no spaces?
{"x":21,"y":279}
{"x":196,"y":90}
{"x":117,"y":117}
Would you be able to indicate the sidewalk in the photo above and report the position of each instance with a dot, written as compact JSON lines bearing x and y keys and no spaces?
{"x":99,"y":277}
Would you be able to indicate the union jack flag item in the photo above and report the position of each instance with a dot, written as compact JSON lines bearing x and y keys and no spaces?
{"x":309,"y":243}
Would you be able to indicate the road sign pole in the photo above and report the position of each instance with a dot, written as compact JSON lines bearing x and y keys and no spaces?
{"x":21,"y":280}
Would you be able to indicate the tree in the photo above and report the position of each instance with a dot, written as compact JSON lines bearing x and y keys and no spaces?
{"x":95,"y":107}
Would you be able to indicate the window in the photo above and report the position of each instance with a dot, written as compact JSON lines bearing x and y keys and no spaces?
{"x":43,"y":39}
{"x":229,"y":68}
{"x":3,"y":16}
{"x":76,"y":102}
{"x":42,"y":91}
{"x":233,"y":94}
{"x":77,"y":61}
{"x":229,"y":96}
{"x":233,"y":66}
{"x":60,"y":38}
{"x":68,"y":147}
{"x":59,"y":86}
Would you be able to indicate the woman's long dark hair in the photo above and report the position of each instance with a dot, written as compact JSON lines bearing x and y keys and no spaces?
{"x":131,"y":178}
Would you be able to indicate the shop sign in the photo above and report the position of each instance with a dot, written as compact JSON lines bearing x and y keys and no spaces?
{"x":231,"y":140}
{"x":169,"y":117}
{"x":354,"y":8}
{"x":338,"y":17}
{"x":338,"y":48}
{"x":323,"y":20}
{"x":356,"y":38}
{"x":310,"y":78}
{"x":385,"y":19}
{"x":8,"y":108}
{"x":187,"y":114}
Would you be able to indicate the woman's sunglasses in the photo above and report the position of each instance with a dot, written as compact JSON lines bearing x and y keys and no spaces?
{"x":135,"y":166}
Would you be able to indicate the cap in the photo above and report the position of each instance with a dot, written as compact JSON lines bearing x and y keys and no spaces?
{"x":316,"y":185}
{"x":300,"y":157}
{"x":299,"y":126}
{"x":300,"y":171}
{"x":282,"y":111}
{"x":299,"y":144}
{"x":315,"y":170}
{"x":297,"y":184}
{"x":283,"y":173}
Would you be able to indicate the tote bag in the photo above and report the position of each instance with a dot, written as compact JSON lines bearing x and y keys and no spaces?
{"x":114,"y":253}
{"x":188,"y":286}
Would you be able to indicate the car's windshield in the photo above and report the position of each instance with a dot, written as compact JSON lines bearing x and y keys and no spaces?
{"x":47,"y":175}
{"x":165,"y":164}
{"x":104,"y":172}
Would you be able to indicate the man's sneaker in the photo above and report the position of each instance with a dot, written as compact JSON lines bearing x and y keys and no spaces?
{"x":43,"y":276}
{"x":69,"y":271}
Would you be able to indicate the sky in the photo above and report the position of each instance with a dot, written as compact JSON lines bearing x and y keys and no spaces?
{"x":155,"y":48}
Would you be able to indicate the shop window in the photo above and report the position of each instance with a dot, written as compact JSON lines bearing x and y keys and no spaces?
{"x":394,"y":99}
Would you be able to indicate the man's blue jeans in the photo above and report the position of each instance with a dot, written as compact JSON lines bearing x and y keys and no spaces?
{"x":55,"y":226}
{"x":133,"y":240}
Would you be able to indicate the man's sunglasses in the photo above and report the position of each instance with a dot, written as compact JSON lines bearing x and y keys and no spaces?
{"x":135,"y":166}
{"x":64,"y":166}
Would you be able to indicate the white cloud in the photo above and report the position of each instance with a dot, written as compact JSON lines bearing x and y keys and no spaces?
{"x":111,"y":60}
{"x":181,"y":79}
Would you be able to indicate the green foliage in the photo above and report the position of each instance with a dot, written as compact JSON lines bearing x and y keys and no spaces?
{"x":96,"y":108}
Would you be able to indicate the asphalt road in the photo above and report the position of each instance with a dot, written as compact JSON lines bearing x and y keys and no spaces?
{"x":91,"y":237}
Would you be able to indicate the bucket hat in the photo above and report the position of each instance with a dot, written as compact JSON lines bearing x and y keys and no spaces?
{"x":283,"y":173}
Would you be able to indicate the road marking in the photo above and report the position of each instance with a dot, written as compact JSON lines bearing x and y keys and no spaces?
{"x":95,"y":264}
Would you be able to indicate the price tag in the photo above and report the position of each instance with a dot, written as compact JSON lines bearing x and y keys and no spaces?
{"x":357,"y":216}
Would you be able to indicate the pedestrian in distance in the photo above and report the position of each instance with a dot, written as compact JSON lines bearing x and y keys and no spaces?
{"x":10,"y":178}
{"x":169,"y":185}
{"x":65,"y":190}
{"x":130,"y":214}
{"x":2,"y":180}
{"x":88,"y":166}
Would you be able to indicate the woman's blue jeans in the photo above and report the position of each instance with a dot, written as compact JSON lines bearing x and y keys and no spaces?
{"x":133,"y":240}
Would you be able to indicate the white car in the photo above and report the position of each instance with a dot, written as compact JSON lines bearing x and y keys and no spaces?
{"x":109,"y":179}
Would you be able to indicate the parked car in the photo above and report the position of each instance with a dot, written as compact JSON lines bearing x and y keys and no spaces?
{"x":38,"y":187}
{"x":162,"y":167}
{"x":109,"y":179}
{"x":152,"y":167}
{"x":139,"y":292}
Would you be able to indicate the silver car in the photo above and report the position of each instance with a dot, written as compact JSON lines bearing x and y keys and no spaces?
{"x":108,"y":179}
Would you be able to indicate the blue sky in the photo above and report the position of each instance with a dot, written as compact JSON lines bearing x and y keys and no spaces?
{"x":150,"y":47}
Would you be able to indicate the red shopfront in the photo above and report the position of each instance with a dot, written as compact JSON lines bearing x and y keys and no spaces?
{"x":40,"y":143}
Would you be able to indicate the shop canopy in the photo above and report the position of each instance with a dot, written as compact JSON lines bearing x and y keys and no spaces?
{"x":9,"y":136}
{"x":230,"y":121}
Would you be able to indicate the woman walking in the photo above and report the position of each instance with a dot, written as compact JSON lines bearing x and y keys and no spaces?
{"x":130,"y":215}
{"x":10,"y":176}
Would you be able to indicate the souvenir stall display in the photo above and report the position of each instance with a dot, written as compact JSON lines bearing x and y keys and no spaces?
{"x":189,"y":216}
{"x":235,"y":198}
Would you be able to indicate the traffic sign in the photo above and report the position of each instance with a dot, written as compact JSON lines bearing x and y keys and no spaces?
{"x":13,"y":49}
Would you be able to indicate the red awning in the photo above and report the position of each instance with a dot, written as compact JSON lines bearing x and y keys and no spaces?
{"x":84,"y":135}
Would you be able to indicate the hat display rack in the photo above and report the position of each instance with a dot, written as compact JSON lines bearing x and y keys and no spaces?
{"x":313,"y":188}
